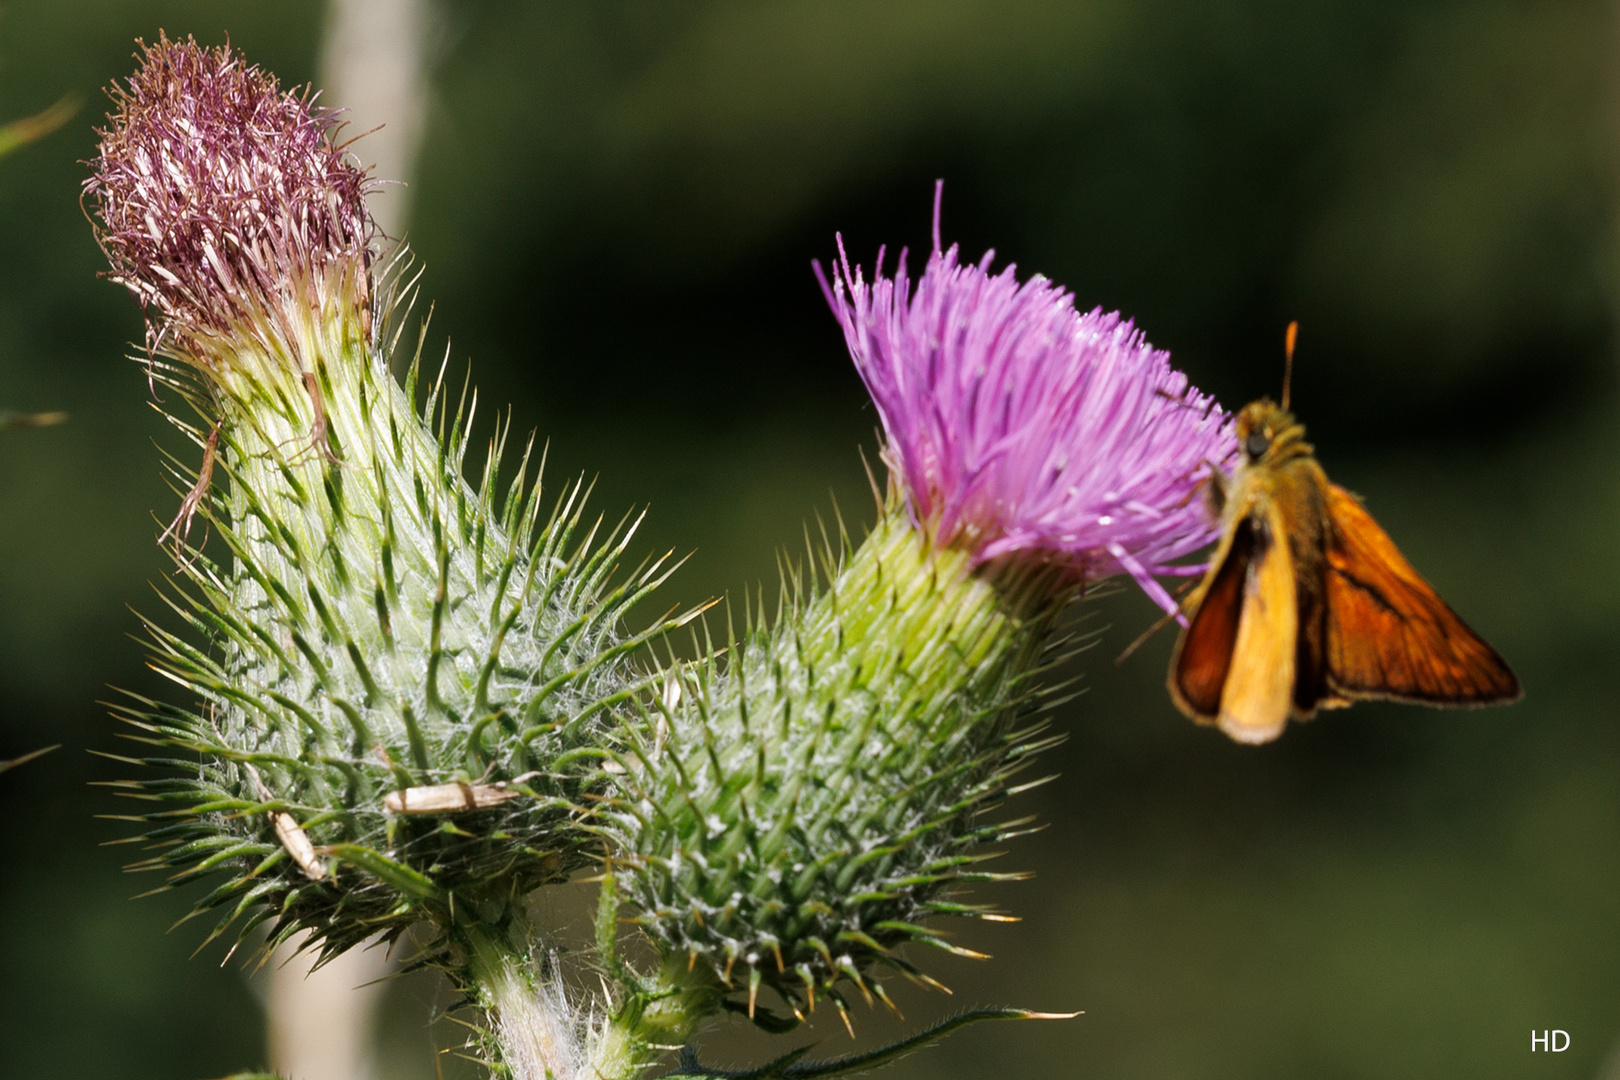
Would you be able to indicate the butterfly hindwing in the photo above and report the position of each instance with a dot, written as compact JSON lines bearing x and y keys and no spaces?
{"x":1204,"y":654}
{"x":1388,"y":633}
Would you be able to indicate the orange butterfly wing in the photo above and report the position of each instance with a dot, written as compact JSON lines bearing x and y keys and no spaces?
{"x":1257,"y":697}
{"x":1234,"y":665}
{"x":1204,"y":652}
{"x":1389,"y":635}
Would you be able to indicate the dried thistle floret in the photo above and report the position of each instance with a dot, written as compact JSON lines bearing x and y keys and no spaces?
{"x":224,"y":204}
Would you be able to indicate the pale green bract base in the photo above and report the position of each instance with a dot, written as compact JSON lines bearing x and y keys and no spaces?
{"x":380,"y":625}
{"x":790,"y":818}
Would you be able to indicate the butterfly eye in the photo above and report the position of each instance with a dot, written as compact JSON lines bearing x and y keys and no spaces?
{"x":1257,"y":444}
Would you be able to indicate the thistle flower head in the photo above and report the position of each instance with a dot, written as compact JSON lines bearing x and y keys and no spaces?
{"x":403,"y":680}
{"x":224,"y":206}
{"x":1018,"y":425}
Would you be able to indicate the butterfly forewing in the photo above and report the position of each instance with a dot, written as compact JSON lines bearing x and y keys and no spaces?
{"x":1388,"y":633}
{"x":1260,"y":682}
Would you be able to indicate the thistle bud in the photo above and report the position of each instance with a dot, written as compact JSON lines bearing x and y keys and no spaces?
{"x":400,"y":682}
{"x":799,"y":815}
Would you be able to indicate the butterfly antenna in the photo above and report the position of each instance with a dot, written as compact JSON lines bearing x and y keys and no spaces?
{"x":1288,"y":364}
{"x":1154,"y":629}
{"x":1143,"y":638}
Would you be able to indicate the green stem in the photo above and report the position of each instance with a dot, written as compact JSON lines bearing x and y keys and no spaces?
{"x":661,"y":1015}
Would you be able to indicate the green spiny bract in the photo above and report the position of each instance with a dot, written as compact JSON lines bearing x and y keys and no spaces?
{"x":399,"y":684}
{"x":791,"y":820}
{"x":381,"y":629}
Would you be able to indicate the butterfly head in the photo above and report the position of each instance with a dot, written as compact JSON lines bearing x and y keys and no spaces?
{"x":1269,"y":434}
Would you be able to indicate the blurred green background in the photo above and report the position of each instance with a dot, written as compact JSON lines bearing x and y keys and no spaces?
{"x":617,"y":203}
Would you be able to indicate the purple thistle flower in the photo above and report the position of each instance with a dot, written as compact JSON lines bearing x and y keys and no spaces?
{"x":225,"y":207}
{"x":1018,"y":425}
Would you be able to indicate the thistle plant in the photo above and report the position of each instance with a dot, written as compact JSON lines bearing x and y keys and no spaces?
{"x":410,"y":702}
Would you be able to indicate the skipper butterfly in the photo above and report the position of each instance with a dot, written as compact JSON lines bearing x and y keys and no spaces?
{"x":1307,"y":604}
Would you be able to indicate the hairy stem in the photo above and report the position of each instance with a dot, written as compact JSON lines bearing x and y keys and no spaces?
{"x":536,"y":1034}
{"x":543,"y":1032}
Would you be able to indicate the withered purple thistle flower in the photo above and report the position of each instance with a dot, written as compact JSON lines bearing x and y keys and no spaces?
{"x":226,"y":208}
{"x":1021,"y":427}
{"x":400,"y":683}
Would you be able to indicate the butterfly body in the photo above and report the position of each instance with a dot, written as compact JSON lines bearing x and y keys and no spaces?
{"x":1307,"y":603}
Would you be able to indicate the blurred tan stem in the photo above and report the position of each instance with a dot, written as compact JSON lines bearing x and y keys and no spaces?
{"x":31,"y":128}
{"x":374,"y":66}
{"x":10,"y":420}
{"x":320,"y":1023}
